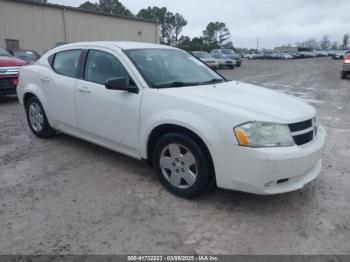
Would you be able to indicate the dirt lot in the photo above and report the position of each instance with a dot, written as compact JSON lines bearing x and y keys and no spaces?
{"x":64,"y":195}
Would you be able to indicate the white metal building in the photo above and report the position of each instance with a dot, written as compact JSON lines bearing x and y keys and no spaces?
{"x":26,"y":24}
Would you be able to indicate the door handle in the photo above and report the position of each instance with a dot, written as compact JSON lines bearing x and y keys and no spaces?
{"x":45,"y":79}
{"x":84,"y":90}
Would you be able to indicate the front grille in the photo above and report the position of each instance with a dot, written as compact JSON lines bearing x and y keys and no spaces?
{"x":304,"y":138}
{"x":300,"y":125}
{"x":9,"y":70}
{"x":303,"y":132}
{"x":6,"y":83}
{"x":229,"y":62}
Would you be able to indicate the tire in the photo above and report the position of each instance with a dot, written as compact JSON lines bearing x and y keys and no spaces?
{"x":232,"y":67}
{"x":37,"y":119}
{"x":174,"y":167}
{"x":343,"y":75}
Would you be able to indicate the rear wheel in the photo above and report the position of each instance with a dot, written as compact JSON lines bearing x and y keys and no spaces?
{"x":182,"y":165}
{"x":37,"y":119}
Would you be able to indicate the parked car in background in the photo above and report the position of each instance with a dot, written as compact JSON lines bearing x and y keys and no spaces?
{"x":9,"y":66}
{"x":284,"y":56}
{"x":332,"y":53}
{"x":230,"y":54}
{"x":249,"y":56}
{"x":320,"y":53}
{"x":27,"y":55}
{"x":160,"y":104}
{"x":59,"y":44}
{"x":260,"y":56}
{"x":345,"y":72}
{"x":295,"y":55}
{"x":339,"y":55}
{"x":207,"y":59}
{"x":225,"y":61}
{"x":307,"y":54}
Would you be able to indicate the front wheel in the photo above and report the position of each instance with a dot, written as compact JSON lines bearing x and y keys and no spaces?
{"x":37,"y":119}
{"x":182,"y":165}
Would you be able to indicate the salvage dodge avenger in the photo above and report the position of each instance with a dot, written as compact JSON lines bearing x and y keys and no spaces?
{"x":161,"y":104}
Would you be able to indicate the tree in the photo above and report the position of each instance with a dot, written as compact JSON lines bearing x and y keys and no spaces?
{"x":114,"y":7}
{"x":345,"y":40}
{"x":228,"y":45}
{"x":107,"y":6}
{"x":210,"y":33}
{"x":311,"y":43}
{"x":179,"y":23}
{"x":89,"y":6}
{"x":224,"y":33}
{"x":170,"y":25}
{"x":195,"y":44}
{"x":334,"y":46}
{"x":157,"y":14}
{"x":325,"y":43}
{"x":184,"y":42}
{"x":217,"y":33}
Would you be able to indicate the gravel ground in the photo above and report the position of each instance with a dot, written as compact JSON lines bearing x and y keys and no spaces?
{"x":66,"y":196}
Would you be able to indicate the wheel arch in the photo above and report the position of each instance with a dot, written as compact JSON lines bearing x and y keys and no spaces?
{"x":163,"y":129}
{"x":26,"y":97}
{"x":36,"y":92}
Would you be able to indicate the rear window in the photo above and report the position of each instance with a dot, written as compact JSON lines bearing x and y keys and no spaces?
{"x":66,"y":62}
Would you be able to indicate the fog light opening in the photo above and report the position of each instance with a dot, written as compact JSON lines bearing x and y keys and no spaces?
{"x":282,"y":180}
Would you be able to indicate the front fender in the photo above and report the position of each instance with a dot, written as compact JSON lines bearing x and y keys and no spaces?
{"x":193,"y":122}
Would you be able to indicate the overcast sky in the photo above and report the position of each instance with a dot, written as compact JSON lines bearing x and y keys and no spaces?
{"x":275,"y":22}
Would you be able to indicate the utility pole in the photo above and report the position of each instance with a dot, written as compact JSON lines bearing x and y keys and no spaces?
{"x":257,"y":44}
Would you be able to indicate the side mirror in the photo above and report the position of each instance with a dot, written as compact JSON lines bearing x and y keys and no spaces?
{"x":122,"y":84}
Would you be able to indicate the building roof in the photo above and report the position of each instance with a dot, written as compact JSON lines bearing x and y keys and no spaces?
{"x":63,"y":7}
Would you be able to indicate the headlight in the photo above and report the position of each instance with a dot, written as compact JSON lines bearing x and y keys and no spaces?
{"x":262,"y":134}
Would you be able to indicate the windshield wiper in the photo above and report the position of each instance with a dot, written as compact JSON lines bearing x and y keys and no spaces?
{"x":175,"y":84}
{"x":181,"y":84}
{"x":213,"y":81}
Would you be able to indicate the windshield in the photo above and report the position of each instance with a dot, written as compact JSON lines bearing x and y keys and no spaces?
{"x":202,"y":55}
{"x":220,"y":56}
{"x":227,"y":51}
{"x":163,"y":68}
{"x":3,"y":52}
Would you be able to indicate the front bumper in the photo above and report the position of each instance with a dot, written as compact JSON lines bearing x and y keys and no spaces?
{"x":8,"y":85}
{"x":268,"y":171}
{"x":238,"y":62}
{"x":227,"y":64}
{"x":213,"y":65}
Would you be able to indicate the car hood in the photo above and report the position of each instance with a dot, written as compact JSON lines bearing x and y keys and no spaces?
{"x":248,"y":101}
{"x":11,"y":61}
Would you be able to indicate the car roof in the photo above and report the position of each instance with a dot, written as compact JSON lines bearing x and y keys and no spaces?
{"x":124,"y":45}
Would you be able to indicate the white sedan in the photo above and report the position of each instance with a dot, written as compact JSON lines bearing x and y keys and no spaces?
{"x":160,"y":104}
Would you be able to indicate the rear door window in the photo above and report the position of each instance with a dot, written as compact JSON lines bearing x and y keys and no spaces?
{"x":66,"y":62}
